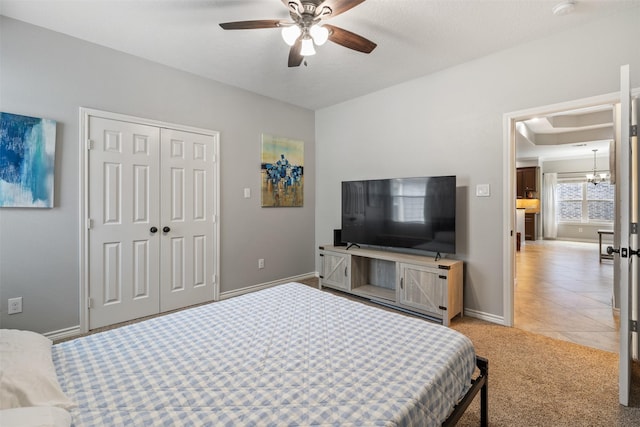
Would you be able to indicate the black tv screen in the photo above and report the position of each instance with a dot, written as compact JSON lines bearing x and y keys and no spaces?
{"x":413,"y":213}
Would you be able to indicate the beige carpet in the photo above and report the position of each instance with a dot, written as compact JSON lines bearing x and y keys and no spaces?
{"x":539,"y":381}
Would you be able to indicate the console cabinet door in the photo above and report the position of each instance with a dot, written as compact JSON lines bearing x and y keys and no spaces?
{"x":335,"y":270}
{"x":423,"y":288}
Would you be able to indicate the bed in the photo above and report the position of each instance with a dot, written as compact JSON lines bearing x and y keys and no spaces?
{"x":286,"y":355}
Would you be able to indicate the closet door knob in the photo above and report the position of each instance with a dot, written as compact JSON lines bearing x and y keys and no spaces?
{"x":153,"y":229}
{"x":166,"y":229}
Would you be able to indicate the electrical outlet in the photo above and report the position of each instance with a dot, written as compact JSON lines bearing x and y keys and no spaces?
{"x":579,"y":229}
{"x":261,"y":263}
{"x":15,"y":305}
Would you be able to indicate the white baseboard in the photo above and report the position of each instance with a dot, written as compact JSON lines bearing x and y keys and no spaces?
{"x":63,"y":333}
{"x":260,"y":286}
{"x":484,"y":316}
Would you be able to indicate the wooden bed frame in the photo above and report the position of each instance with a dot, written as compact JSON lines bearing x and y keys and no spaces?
{"x":480,"y":383}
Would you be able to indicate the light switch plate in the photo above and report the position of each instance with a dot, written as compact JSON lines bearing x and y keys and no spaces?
{"x":247,"y":193}
{"x":483,"y":190}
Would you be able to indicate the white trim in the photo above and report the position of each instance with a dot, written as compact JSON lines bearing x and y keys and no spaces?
{"x":509,"y":166}
{"x":260,"y":286}
{"x":148,"y":122}
{"x":508,"y":219}
{"x":71,"y":332}
{"x":575,"y":239}
{"x":83,"y":280}
{"x":83,"y":246}
{"x":484,"y":316}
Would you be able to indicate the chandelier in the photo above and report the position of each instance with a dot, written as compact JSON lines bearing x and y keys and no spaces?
{"x":595,"y":178}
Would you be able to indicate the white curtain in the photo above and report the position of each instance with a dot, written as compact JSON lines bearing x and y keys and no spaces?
{"x":550,"y":227}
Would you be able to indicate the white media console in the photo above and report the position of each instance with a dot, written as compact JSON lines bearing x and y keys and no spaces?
{"x":410,"y":282}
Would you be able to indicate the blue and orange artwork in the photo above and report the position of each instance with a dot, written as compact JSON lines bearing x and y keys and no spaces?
{"x":282,"y":172}
{"x":27,"y":158}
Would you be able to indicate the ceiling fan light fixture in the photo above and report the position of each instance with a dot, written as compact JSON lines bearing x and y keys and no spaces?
{"x":319,"y":34}
{"x":290,"y":34}
{"x":307,"y":48}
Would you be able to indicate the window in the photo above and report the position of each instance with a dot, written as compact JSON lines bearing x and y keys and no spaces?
{"x":408,"y":200}
{"x":579,"y":201}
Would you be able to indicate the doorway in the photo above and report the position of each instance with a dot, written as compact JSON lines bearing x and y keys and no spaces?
{"x":573,"y":126}
{"x":563,"y":288}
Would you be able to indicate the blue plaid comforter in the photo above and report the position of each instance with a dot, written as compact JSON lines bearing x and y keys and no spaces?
{"x":285,"y":356}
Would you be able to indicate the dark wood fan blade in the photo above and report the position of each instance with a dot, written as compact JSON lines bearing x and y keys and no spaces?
{"x":251,"y":25}
{"x":339,"y":6}
{"x":349,"y":39}
{"x":295,"y":59}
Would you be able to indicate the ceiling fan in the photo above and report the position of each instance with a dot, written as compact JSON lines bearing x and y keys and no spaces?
{"x":306,"y":27}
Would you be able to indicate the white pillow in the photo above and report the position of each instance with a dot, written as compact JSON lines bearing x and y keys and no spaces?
{"x":27,"y":374}
{"x":35,"y":416}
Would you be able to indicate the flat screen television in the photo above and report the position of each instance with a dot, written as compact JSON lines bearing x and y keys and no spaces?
{"x":411,"y":213}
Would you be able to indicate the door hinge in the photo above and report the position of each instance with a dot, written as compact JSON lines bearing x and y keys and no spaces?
{"x":213,"y":279}
{"x":89,"y":302}
{"x":633,"y":130}
{"x":89,"y":144}
{"x":633,"y":228}
{"x":633,"y":325}
{"x":89,"y":223}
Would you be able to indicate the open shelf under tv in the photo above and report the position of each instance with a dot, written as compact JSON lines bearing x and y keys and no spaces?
{"x":373,"y":277}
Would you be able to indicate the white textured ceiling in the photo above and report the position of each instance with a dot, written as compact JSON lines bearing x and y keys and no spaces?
{"x":414,"y":37}
{"x":566,"y":134}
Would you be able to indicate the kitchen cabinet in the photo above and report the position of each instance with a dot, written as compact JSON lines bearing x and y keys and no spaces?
{"x":530,"y":226}
{"x":527,"y":183}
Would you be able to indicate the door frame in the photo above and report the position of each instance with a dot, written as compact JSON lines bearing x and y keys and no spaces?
{"x":509,"y":184}
{"x":83,"y":205}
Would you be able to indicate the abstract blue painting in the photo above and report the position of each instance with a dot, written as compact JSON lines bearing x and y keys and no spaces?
{"x":282,"y":171}
{"x":27,"y":157}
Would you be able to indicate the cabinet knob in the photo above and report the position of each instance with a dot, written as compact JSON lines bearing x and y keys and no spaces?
{"x":166,"y":229}
{"x":153,"y":229}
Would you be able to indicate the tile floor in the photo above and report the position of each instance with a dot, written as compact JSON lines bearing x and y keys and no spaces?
{"x":563,"y":292}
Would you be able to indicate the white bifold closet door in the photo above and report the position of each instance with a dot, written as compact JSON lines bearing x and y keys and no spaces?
{"x":151,"y":213}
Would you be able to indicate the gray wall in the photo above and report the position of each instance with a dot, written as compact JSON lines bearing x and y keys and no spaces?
{"x":451,"y":122}
{"x":47,"y":74}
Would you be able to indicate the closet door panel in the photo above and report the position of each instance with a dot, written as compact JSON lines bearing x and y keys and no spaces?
{"x":123,"y":195}
{"x":187,"y":210}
